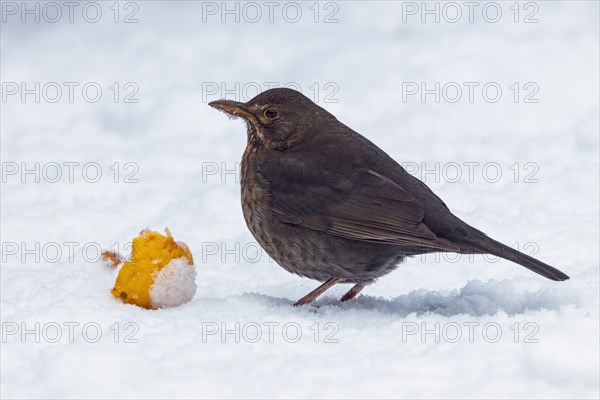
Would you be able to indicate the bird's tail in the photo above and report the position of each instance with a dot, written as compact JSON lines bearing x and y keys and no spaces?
{"x":496,"y":248}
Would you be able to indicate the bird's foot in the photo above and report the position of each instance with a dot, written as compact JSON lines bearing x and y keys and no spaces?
{"x":317,"y":292}
{"x":352,"y":293}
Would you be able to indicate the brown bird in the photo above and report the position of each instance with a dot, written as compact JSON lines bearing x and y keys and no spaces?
{"x":326,"y":203}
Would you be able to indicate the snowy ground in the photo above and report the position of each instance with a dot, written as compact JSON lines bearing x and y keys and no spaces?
{"x":467,"y":328}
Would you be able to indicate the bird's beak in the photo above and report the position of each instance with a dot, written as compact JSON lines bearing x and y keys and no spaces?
{"x":234,"y":108}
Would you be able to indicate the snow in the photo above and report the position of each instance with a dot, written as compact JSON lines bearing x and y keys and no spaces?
{"x":435,"y":327}
{"x":174,"y":284}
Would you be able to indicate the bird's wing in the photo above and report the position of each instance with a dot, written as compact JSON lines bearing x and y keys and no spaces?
{"x":364,"y":206}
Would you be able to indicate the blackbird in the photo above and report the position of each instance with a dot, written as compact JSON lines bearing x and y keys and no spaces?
{"x":326,"y":203}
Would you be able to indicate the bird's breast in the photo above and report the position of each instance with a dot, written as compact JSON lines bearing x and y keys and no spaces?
{"x":254,"y":196}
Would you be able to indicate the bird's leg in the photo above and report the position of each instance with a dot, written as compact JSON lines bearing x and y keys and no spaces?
{"x":317,"y":292}
{"x":352,"y":293}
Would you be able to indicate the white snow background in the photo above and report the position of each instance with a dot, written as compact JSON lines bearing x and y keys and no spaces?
{"x":408,"y":335}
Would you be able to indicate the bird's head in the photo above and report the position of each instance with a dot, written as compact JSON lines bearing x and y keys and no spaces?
{"x":277,"y":118}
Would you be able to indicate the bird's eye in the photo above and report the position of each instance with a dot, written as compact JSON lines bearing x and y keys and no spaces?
{"x":271,"y":113}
